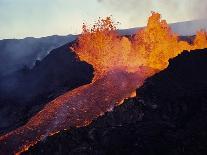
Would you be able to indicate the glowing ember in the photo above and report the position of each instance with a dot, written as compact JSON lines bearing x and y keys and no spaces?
{"x":119,"y":69}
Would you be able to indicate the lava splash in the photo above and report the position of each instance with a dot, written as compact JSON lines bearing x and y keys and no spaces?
{"x":151,"y":46}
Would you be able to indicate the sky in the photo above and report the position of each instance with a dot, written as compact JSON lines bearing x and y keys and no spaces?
{"x":37,"y":18}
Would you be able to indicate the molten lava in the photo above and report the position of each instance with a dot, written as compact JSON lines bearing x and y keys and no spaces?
{"x":152,"y":46}
{"x":121,"y":65}
{"x":102,"y":47}
{"x":75,"y":108}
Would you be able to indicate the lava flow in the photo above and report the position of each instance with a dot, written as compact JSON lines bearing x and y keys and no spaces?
{"x":121,"y":65}
{"x":74,"y":109}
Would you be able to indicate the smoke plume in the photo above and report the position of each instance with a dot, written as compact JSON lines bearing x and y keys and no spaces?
{"x":173,"y":10}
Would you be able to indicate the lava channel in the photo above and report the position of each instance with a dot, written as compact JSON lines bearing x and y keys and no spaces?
{"x":75,"y":108}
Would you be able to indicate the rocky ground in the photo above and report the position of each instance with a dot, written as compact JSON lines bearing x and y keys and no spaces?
{"x":25,"y":92}
{"x":168,"y":117}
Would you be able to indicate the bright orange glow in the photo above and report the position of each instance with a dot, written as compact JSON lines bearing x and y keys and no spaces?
{"x":200,"y":40}
{"x":102,"y":47}
{"x":152,"y":46}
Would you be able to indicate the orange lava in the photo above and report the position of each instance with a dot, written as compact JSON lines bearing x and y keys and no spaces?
{"x":75,"y":108}
{"x":152,"y":46}
{"x":121,"y":65}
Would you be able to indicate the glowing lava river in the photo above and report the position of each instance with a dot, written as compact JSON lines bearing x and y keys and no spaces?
{"x":118,"y":68}
{"x":74,"y":109}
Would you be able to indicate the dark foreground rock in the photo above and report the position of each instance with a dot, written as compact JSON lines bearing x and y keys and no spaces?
{"x":169,"y":117}
{"x":24,"y":93}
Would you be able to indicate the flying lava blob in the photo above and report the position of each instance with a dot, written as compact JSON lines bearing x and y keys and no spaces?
{"x":121,"y":65}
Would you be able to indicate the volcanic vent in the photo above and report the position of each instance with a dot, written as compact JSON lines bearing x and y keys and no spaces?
{"x":121,"y":65}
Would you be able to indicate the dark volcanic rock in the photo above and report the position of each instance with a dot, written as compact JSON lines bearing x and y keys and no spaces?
{"x":15,"y":53}
{"x":25,"y":92}
{"x":169,"y":117}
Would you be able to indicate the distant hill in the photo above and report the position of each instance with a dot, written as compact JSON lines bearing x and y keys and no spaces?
{"x":187,"y":28}
{"x":17,"y":53}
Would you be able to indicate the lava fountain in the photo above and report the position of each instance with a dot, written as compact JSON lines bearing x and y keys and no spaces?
{"x":121,"y":65}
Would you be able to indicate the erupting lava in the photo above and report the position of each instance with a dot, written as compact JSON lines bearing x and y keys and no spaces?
{"x":152,"y":46}
{"x":121,"y":65}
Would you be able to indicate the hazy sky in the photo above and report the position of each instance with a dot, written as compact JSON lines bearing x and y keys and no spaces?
{"x":24,"y":18}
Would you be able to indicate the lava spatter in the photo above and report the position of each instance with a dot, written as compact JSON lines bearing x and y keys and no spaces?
{"x":151,"y":46}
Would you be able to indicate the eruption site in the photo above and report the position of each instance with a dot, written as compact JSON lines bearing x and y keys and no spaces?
{"x":151,"y":46}
{"x":121,"y":64}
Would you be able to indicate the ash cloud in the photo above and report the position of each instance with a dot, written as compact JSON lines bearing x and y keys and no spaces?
{"x":172,"y":9}
{"x":199,"y":8}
